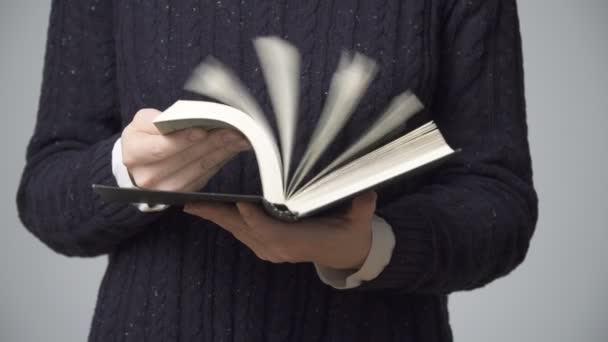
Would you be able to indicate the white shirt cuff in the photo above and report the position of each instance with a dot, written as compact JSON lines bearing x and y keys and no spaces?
{"x":124,"y":180}
{"x":381,"y":250}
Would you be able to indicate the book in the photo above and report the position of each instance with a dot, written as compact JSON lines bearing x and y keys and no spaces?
{"x":293,"y":194}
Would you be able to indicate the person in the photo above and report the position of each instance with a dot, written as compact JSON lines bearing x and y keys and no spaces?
{"x":381,"y":270}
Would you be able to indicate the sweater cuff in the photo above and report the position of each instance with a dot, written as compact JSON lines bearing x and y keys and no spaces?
{"x":383,"y":242}
{"x":123,"y":179}
{"x":413,"y":256}
{"x":101,"y":173}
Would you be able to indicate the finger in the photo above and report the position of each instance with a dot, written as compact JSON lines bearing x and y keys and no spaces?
{"x":263,"y":227}
{"x":190,"y":178}
{"x":201,"y":180}
{"x":268,"y":229}
{"x":218,"y":213}
{"x":167,"y":167}
{"x":198,"y":173}
{"x":144,"y":148}
{"x":143,"y":120}
{"x":193,"y":166}
{"x":148,"y":175}
{"x":283,"y":242}
{"x":256,"y":217}
{"x":216,"y":140}
{"x":363,"y":206}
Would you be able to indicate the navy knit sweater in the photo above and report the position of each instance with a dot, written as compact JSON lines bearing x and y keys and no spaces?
{"x":176,"y":277}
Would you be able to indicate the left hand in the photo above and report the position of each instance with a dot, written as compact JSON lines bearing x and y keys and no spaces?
{"x":340,"y":241}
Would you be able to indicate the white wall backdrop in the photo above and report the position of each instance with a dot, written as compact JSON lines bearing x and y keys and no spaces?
{"x":560,"y":293}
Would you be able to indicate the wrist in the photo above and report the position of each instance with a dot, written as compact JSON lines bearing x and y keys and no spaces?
{"x":352,"y":252}
{"x":366,"y":245}
{"x":379,"y":256}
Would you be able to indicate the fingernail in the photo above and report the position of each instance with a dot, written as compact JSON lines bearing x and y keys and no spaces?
{"x":196,"y":134}
{"x":243,"y":145}
{"x":229,"y":138}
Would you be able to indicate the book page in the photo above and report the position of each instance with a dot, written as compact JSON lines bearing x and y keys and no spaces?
{"x":400,"y":109}
{"x":404,"y":140}
{"x":213,"y":79}
{"x":347,"y":87}
{"x":280,"y":63}
{"x":401,"y":156}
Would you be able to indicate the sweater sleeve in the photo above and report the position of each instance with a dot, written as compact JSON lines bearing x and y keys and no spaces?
{"x":123,"y":179}
{"x":472,"y":222}
{"x":71,"y":147}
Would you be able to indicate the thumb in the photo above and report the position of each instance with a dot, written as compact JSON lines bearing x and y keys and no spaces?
{"x":143,"y":121}
{"x":363,"y":206}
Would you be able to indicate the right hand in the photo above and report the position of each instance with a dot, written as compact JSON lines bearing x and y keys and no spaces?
{"x":180,"y":161}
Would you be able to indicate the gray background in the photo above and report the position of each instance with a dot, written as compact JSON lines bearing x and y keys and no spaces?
{"x":558,"y":294}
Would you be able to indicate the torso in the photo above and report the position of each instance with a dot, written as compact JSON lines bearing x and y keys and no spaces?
{"x":186,"y":279}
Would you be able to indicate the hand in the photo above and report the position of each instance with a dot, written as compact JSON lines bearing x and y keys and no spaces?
{"x":340,"y":241}
{"x":180,"y":161}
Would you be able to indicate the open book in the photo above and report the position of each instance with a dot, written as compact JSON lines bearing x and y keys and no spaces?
{"x":292,"y":194}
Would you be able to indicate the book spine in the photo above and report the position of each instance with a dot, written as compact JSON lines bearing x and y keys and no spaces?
{"x":280,"y":212}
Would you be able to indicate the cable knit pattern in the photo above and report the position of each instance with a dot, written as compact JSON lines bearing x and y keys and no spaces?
{"x":173,"y":277}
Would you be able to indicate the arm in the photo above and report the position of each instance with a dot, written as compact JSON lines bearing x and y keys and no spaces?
{"x":77,"y":125}
{"x":76,"y":134}
{"x":473,"y":222}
